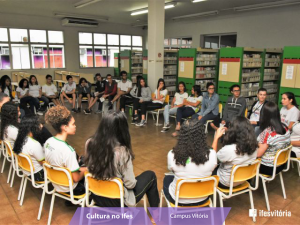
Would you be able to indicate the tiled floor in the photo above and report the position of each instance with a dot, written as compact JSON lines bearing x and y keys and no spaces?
{"x":150,"y":147}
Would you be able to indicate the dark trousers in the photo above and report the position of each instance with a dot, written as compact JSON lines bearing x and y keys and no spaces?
{"x":167,"y":181}
{"x":125,"y":99}
{"x":146,"y":184}
{"x":209,"y":116}
{"x":43,"y":99}
{"x":39,"y":176}
{"x":268,"y":170}
{"x":100,"y":103}
{"x":31,"y":101}
{"x":144,"y":106}
{"x":184,"y":112}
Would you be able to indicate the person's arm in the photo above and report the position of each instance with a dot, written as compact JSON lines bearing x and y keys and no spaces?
{"x":40,"y":92}
{"x":129,"y":180}
{"x":193,"y":104}
{"x":290,"y":127}
{"x":295,"y":143}
{"x":262,"y":148}
{"x":79,"y":174}
{"x":148,"y":96}
{"x":173,"y":102}
{"x":133,"y":93}
{"x":219,"y":133}
{"x":128,"y":91}
{"x":170,"y":160}
{"x":19,"y":95}
{"x":211,"y":107}
{"x":72,"y":164}
{"x":114,"y":90}
{"x":157,"y":91}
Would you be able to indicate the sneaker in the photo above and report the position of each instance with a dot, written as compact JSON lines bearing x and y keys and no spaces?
{"x":39,"y":113}
{"x":87,"y":111}
{"x":98,"y":112}
{"x":141,"y":124}
{"x":79,"y":110}
{"x":109,"y":104}
{"x":167,"y":126}
{"x":164,"y":130}
{"x":74,"y":110}
{"x":134,"y":122}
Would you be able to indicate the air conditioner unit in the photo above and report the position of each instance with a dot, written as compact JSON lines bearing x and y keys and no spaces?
{"x":79,"y":22}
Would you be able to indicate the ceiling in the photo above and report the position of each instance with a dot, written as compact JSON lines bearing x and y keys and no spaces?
{"x":118,"y":11}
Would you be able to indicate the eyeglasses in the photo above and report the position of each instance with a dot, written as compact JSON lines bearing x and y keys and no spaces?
{"x":211,"y":88}
{"x":236,"y":90}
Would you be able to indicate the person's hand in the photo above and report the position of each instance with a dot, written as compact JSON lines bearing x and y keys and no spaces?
{"x":199,"y":117}
{"x":160,"y":86}
{"x":141,"y":100}
{"x":223,"y":122}
{"x":220,"y":132}
{"x":104,"y":96}
{"x":253,"y":122}
{"x":83,"y":169}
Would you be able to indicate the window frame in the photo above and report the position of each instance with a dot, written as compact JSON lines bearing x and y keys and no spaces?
{"x":202,"y":38}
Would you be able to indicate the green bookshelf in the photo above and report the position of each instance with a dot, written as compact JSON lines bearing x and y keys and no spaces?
{"x":116,"y":64}
{"x":171,"y":70}
{"x":145,"y":65}
{"x":132,"y":62}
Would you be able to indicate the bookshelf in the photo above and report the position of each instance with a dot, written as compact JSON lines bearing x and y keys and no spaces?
{"x":132,"y":63}
{"x":170,"y":70}
{"x":117,"y":64}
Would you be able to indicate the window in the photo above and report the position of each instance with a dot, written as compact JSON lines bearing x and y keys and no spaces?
{"x":30,"y":49}
{"x":98,"y":49}
{"x":176,"y":43}
{"x":218,"y":41}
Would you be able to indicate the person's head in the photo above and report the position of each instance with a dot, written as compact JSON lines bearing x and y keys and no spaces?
{"x":10,"y":114}
{"x":235,"y":90}
{"x":123,"y":75}
{"x":288,"y":99}
{"x":191,"y":143}
{"x":98,"y":77}
{"x":3,"y":99}
{"x":161,"y":84}
{"x":29,"y":125}
{"x":196,"y":90}
{"x":138,"y":77}
{"x":61,"y":119}
{"x":70,"y":79}
{"x":241,"y":133}
{"x":33,"y":80}
{"x":181,"y":87}
{"x":270,"y":117}
{"x":210,"y":87}
{"x":109,"y":78}
{"x":262,"y":94}
{"x":112,"y":132}
{"x":141,"y":84}
{"x":5,"y":82}
{"x":23,"y":83}
{"x":49,"y":79}
{"x":82,"y":81}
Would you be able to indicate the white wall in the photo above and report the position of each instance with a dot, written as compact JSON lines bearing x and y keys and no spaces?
{"x":70,"y":38}
{"x":270,"y":28}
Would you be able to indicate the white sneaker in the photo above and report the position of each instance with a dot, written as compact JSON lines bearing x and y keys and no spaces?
{"x":167,"y":126}
{"x":141,"y":124}
{"x":39,"y":113}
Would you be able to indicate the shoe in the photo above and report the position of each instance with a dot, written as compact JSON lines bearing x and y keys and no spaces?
{"x":134,"y":122}
{"x":167,"y":126}
{"x":141,"y":124}
{"x":87,"y":111}
{"x":109,"y":104}
{"x":79,"y":110}
{"x":68,"y":203}
{"x":39,"y":113}
{"x":164,"y":130}
{"x":74,"y":110}
{"x":176,"y":133}
{"x":98,"y":112}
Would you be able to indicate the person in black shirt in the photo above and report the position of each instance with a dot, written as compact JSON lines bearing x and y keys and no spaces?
{"x":100,"y":88}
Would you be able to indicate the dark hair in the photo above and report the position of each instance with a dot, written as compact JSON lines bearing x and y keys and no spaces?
{"x":2,"y":96}
{"x":291,"y":96}
{"x":69,"y":77}
{"x":58,"y":116}
{"x":161,"y":80}
{"x":3,"y":84}
{"x":197,"y":89}
{"x":108,"y":75}
{"x":112,"y":132}
{"x":233,"y":86}
{"x":123,"y":72}
{"x":191,"y":143}
{"x":139,"y":87}
{"x":9,"y":116}
{"x":241,"y":133}
{"x":97,"y":74}
{"x":82,"y":79}
{"x":261,"y":89}
{"x":48,"y":75}
{"x":21,"y":83}
{"x":29,"y":124}
{"x":181,"y":82}
{"x":30,"y":82}
{"x":270,"y":117}
{"x":209,"y":84}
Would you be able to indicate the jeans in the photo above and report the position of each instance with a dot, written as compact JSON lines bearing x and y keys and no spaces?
{"x":146,"y":184}
{"x":169,"y":111}
{"x":209,"y":116}
{"x":184,"y":112}
{"x":125,"y":99}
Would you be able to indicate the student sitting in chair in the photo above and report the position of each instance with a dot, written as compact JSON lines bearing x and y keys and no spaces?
{"x":289,"y":113}
{"x":109,"y":94}
{"x":49,"y":90}
{"x":68,"y":92}
{"x":84,"y":91}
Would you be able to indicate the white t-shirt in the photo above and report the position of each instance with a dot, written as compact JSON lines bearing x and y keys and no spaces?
{"x":22,"y":91}
{"x":228,"y":157}
{"x":6,"y":91}
{"x":69,"y":88}
{"x":124,"y":86}
{"x":190,"y":170}
{"x":194,"y":100}
{"x":34,"y":90}
{"x":180,"y":97}
{"x":11,"y":135}
{"x":59,"y":153}
{"x":295,"y":136}
{"x":288,"y":116}
{"x":49,"y":89}
{"x":161,"y":92}
{"x":256,"y":112}
{"x":36,"y":152}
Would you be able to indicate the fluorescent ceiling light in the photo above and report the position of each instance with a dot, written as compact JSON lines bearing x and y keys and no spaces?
{"x":145,"y":10}
{"x":195,"y":1}
{"x":80,"y":16}
{"x":210,"y":13}
{"x":85,"y":3}
{"x":265,"y":5}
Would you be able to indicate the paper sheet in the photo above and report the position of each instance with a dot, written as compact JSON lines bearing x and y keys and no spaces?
{"x":224,"y":69}
{"x":289,"y":72}
{"x":181,"y":66}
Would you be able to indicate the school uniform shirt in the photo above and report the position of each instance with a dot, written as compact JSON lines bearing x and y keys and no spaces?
{"x":125,"y":86}
{"x":161,"y":92}
{"x":194,"y":100}
{"x":228,"y":157}
{"x":295,"y":136}
{"x":288,"y":116}
{"x":180,"y":97}
{"x":256,"y":110}
{"x":275,"y":142}
{"x":49,"y":89}
{"x":69,"y":87}
{"x":190,"y":170}
{"x":22,"y":91}
{"x":36,"y":152}
{"x":11,"y":135}
{"x":59,"y":153}
{"x":34,"y":90}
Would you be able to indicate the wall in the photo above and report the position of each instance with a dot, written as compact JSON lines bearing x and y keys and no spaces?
{"x":269,"y":28}
{"x":70,"y":38}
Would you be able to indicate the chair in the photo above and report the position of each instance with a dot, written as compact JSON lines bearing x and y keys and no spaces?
{"x":8,"y":155}
{"x":241,"y":173}
{"x":25,"y":163}
{"x":297,"y":160}
{"x":1,"y":149}
{"x":210,"y":121}
{"x":246,"y":112}
{"x":282,"y":156}
{"x":157,"y":111}
{"x":63,"y":177}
